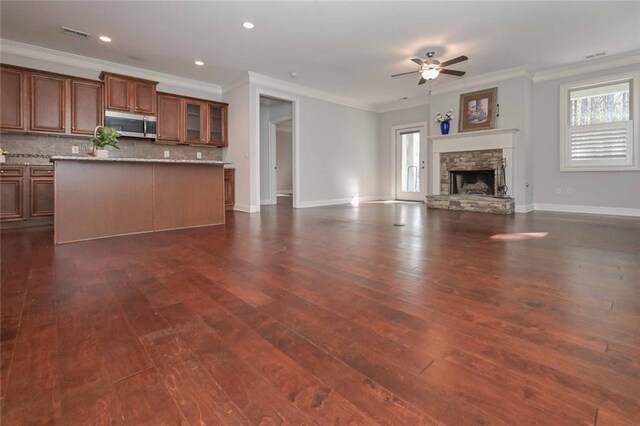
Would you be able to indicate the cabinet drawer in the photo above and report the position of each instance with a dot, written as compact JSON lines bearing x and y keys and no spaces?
{"x":43,"y":171}
{"x":11,"y":171}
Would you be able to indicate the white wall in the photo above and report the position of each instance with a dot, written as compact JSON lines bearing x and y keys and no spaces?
{"x":386,"y":121}
{"x":239,"y":150}
{"x":338,"y":152}
{"x":284,"y":160}
{"x":592,"y":189}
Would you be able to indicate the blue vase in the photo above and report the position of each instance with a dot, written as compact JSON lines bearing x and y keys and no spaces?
{"x":444,"y":127}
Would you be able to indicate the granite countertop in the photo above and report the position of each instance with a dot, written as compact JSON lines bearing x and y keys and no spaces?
{"x":137,"y":160}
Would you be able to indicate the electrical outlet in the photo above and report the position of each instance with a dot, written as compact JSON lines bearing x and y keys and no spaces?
{"x":558,"y":191}
{"x":74,"y":149}
{"x":569,"y":190}
{"x":199,"y":155}
{"x":166,"y":153}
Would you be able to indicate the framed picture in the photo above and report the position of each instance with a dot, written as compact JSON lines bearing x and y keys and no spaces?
{"x":478,"y":110}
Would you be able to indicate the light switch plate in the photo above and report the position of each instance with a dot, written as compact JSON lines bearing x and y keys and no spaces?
{"x":166,"y":153}
{"x":199,"y":155}
{"x":74,"y":149}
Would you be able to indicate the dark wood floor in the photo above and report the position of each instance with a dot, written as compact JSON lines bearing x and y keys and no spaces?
{"x":328,"y":316}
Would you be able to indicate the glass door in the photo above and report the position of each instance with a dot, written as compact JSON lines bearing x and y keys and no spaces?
{"x":215,"y":126}
{"x":410,"y":165}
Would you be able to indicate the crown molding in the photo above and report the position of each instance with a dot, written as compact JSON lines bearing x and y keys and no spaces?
{"x":403,"y":104}
{"x":237,"y":83}
{"x":296,"y":89}
{"x":593,"y":65}
{"x":92,"y":64}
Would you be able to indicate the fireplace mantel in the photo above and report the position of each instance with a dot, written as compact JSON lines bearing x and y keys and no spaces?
{"x":472,"y":134}
{"x":503,"y":139}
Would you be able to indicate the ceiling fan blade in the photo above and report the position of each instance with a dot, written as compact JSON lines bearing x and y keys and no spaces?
{"x":422,"y":81}
{"x":453,"y":61}
{"x":418,"y":61}
{"x":452,"y":72}
{"x":404,"y":73}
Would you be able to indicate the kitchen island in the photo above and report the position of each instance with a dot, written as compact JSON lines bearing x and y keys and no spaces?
{"x":106,"y":197}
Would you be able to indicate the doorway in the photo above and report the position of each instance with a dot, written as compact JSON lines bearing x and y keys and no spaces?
{"x":276,"y":152}
{"x":410,"y":164}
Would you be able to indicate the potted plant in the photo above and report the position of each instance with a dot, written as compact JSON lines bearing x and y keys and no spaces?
{"x":103,"y":136}
{"x":444,"y":121}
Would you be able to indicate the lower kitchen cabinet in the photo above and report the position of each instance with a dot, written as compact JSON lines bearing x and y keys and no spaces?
{"x":27,"y":197}
{"x":12,"y":193}
{"x":229,"y":188}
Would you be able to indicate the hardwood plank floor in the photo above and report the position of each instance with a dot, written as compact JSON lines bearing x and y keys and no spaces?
{"x":330,"y":315}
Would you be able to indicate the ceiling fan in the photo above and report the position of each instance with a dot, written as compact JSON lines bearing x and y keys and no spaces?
{"x":430,"y":68}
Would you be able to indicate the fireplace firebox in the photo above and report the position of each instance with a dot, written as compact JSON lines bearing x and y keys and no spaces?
{"x":477,"y":182}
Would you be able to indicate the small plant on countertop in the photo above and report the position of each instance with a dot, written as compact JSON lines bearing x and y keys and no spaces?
{"x":446,"y":118}
{"x":104,"y":136}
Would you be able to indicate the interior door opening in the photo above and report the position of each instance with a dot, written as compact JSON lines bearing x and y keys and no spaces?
{"x":276,"y":152}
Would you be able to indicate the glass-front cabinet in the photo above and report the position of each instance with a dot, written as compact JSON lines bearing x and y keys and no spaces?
{"x":205,"y":123}
{"x":216,"y":125}
{"x":193,"y":122}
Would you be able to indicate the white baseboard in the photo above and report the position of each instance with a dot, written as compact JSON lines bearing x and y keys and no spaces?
{"x":336,"y":201}
{"x":246,"y":209}
{"x":569,"y":208}
{"x":524,"y":208}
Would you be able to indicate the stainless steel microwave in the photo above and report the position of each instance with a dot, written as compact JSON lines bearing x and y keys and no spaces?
{"x":131,"y":125}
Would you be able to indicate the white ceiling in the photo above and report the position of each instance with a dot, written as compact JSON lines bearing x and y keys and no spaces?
{"x":347,"y":49}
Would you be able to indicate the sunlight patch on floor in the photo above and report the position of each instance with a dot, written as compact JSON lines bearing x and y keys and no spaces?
{"x":519,"y":236}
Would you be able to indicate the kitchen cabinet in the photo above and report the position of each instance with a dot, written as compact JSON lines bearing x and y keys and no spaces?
{"x":13,"y":98}
{"x":47,"y":103}
{"x":11,"y":193}
{"x":184,"y":120}
{"x":217,"y":124}
{"x":194,"y":121}
{"x":27,"y":195}
{"x":42,"y":102}
{"x":86,"y":106}
{"x":41,"y":191}
{"x":129,"y":94}
{"x":169,"y":118}
{"x":229,"y":188}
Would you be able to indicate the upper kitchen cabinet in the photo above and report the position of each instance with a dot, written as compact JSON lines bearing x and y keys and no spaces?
{"x":169,"y":118}
{"x":217,"y":124}
{"x":47,"y":99}
{"x":86,"y":106}
{"x":194,"y":122}
{"x":129,"y":94}
{"x":13,"y":98}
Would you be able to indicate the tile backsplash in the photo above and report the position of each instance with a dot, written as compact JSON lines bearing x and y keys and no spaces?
{"x":62,"y":145}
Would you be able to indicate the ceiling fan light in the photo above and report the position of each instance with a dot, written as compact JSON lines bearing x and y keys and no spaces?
{"x":430,"y":73}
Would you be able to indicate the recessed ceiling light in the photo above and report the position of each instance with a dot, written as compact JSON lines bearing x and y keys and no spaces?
{"x":293,"y":74}
{"x":105,"y":39}
{"x":199,"y":63}
{"x":248,"y":25}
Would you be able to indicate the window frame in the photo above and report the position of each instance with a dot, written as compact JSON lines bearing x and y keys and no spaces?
{"x":633,"y":159}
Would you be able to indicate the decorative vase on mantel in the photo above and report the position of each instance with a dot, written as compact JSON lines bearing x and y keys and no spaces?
{"x":444,"y":127}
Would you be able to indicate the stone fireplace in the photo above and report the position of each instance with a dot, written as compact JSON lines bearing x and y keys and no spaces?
{"x":467,"y":167}
{"x":465,"y":171}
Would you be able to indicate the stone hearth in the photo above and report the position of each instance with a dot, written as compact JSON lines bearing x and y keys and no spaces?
{"x":472,"y":203}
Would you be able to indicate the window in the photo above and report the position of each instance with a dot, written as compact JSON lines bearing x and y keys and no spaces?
{"x":597,"y":125}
